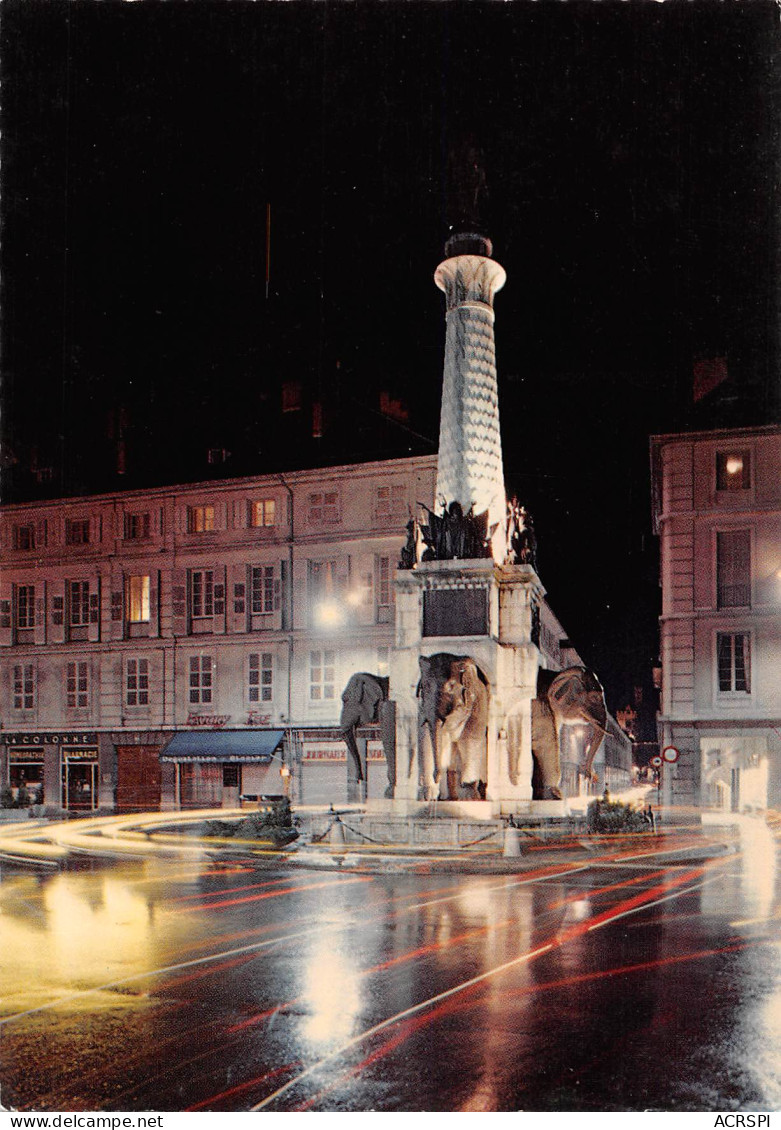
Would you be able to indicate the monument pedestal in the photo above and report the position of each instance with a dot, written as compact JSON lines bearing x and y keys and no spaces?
{"x":489,"y":613}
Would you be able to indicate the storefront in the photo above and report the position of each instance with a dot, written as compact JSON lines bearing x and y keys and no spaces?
{"x":324,"y":770}
{"x":219,"y":769}
{"x":79,"y":777}
{"x":25,"y":771}
{"x":60,"y":769}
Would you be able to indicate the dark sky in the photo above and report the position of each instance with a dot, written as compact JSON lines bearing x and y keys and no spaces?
{"x":631,"y":157}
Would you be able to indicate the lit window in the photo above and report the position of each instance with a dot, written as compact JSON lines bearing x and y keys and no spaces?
{"x":200,"y":519}
{"x":323,"y":507}
{"x":77,"y":532}
{"x":138,"y":599}
{"x":79,"y":603}
{"x":733,"y":658}
{"x":391,"y":501}
{"x":24,"y":686}
{"x":24,"y":537}
{"x":261,"y":677}
{"x":25,"y":606}
{"x":136,"y":526}
{"x":77,"y":684}
{"x":201,"y":679}
{"x":202,"y":593}
{"x":262,"y":512}
{"x":733,"y":569}
{"x":733,"y":470}
{"x":137,"y":682}
{"x":262,"y":589}
{"x":322,"y":676}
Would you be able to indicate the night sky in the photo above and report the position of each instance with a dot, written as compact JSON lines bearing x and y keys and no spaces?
{"x":631,"y":162}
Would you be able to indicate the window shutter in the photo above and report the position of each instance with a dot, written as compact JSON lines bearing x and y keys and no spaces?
{"x":363,"y":583}
{"x":238,"y":599}
{"x":342,"y":577}
{"x":93,"y":630}
{"x":40,"y":612}
{"x":179,"y":612}
{"x":117,"y":629}
{"x":6,"y":613}
{"x":219,"y":618}
{"x":57,"y":612}
{"x":154,"y":602}
{"x":40,"y":534}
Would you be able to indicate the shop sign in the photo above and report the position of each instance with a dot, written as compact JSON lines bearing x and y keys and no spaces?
{"x":255,"y":719}
{"x":80,"y":754}
{"x":31,"y":756}
{"x":325,"y":753}
{"x":209,"y":721}
{"x":50,"y":739}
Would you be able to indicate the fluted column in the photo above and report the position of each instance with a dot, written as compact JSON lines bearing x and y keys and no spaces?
{"x":470,"y":469}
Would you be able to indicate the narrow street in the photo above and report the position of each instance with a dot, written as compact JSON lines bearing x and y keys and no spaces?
{"x":617,"y":982}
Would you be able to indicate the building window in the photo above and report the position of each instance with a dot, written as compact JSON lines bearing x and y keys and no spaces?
{"x":24,"y":686}
{"x":202,"y":593}
{"x":137,"y":599}
{"x":733,"y":569}
{"x":137,"y":682}
{"x":136,"y":526}
{"x":733,"y":470}
{"x":262,"y":512}
{"x":200,"y":519}
{"x":322,"y":676}
{"x":77,"y":684}
{"x":24,"y":537}
{"x":323,"y":508}
{"x":733,"y":658}
{"x":77,"y":532}
{"x":262,"y":591}
{"x":25,"y":606}
{"x":261,"y":677}
{"x":201,"y":679}
{"x":391,"y":501}
{"x":79,"y":603}
{"x":384,"y":588}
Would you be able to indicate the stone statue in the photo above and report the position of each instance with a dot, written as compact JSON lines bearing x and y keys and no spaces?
{"x":452,"y":727}
{"x":409,"y":551}
{"x":521,"y":539}
{"x":365,"y":700}
{"x":454,"y":535}
{"x":564,"y":697}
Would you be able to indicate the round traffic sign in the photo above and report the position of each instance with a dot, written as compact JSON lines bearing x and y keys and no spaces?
{"x":656,"y":762}
{"x":670,"y":754}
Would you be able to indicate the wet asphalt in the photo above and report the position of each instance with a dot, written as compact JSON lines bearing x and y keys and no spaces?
{"x":610,"y":980}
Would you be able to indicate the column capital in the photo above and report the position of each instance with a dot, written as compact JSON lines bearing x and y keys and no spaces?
{"x":469,"y":278}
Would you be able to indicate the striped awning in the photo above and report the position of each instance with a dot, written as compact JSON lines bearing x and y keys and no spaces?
{"x":258,"y":746}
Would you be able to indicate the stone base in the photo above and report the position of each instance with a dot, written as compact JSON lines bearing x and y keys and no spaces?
{"x":468,"y":809}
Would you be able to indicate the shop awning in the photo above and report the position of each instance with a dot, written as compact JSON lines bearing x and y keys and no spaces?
{"x":256,"y":746}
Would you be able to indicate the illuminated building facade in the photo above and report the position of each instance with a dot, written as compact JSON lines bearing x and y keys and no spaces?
{"x":717,"y":511}
{"x":178,"y":646}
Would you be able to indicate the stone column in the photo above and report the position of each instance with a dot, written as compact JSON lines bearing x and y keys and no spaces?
{"x":470,"y":469}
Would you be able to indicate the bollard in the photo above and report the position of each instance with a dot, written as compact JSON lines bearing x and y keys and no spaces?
{"x":336,"y":835}
{"x":512,"y":842}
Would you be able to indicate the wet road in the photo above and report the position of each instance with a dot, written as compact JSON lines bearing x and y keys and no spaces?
{"x":611,"y":985}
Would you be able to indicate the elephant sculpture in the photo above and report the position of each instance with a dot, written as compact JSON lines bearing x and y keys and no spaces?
{"x":365,"y":701}
{"x":452,"y":726}
{"x":564,"y":698}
